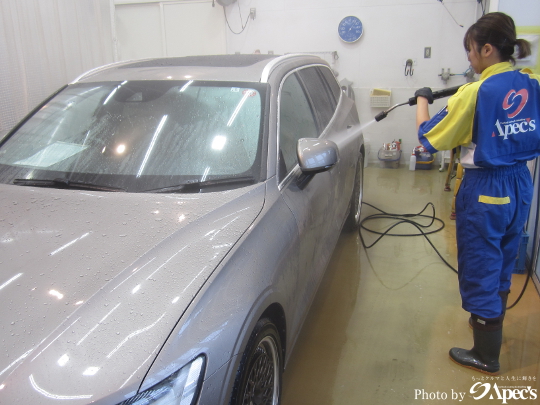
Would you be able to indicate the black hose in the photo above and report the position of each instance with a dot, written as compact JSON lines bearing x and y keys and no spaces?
{"x":404,"y":219}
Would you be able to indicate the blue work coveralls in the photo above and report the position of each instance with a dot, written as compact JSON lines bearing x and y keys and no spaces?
{"x":496,"y":121}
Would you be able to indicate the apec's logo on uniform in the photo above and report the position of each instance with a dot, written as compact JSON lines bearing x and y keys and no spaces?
{"x":513,"y":104}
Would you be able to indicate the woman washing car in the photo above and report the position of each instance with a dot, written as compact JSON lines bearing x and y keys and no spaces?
{"x":496,"y":121}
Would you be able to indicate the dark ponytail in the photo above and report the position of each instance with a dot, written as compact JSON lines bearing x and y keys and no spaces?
{"x":498,"y":30}
{"x":524,"y":48}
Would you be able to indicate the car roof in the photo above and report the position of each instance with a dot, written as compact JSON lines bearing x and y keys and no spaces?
{"x":242,"y":68}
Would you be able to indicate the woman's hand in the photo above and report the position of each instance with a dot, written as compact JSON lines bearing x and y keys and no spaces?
{"x":422,"y":111}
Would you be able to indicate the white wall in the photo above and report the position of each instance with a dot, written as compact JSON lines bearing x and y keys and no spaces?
{"x":394,"y":30}
{"x":526,"y":13}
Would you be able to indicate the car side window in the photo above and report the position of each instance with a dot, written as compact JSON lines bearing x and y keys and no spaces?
{"x":332,"y":82}
{"x":296,"y":121}
{"x":320,"y":95}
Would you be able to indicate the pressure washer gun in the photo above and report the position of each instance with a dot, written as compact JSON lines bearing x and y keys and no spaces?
{"x":412,"y":101}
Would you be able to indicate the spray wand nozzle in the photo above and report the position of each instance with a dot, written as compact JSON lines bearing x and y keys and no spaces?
{"x":412,"y":101}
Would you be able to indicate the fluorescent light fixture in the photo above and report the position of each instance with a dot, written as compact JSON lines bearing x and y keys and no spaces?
{"x":133,"y":334}
{"x":56,"y":294}
{"x":11,"y":280}
{"x":69,"y":244}
{"x":91,"y":371}
{"x":239,"y":106}
{"x":62,"y":361}
{"x":205,"y":174}
{"x":219,"y":142}
{"x":114,"y":91}
{"x":54,"y":396}
{"x":97,"y":325}
{"x":185,"y":86}
{"x":152,"y":143}
{"x":110,"y":95}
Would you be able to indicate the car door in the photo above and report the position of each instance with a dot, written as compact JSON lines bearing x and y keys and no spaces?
{"x":310,"y":197}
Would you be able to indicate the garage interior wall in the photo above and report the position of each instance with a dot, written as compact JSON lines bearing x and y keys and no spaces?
{"x":394,"y":31}
{"x":46,"y":44}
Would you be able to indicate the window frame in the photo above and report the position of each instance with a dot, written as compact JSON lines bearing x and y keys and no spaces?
{"x":320,"y":129}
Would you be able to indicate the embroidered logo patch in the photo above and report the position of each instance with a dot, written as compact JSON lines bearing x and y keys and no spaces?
{"x":513,"y":104}
{"x":512,"y":98}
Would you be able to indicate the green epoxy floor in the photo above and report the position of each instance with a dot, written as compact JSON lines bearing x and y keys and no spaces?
{"x":384,"y":319}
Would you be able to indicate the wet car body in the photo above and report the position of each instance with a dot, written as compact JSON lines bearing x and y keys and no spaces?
{"x":109,"y":290}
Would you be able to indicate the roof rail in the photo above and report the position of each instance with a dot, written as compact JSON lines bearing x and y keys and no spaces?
{"x":104,"y":67}
{"x":274,"y":62}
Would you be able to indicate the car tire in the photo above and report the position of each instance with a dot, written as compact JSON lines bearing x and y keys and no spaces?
{"x":258,"y":381}
{"x":352,"y":222}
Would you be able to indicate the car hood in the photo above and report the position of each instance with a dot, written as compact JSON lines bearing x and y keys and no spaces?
{"x":92,"y":283}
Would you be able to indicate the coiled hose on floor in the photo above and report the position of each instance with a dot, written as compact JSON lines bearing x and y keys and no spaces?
{"x":409,"y":219}
{"x":404,"y":219}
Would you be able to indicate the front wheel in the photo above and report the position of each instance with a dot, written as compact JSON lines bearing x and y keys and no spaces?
{"x":355,"y":207}
{"x":258,"y":381}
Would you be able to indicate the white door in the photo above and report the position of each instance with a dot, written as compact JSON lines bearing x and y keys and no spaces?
{"x":194,"y":28}
{"x":138,"y":31}
{"x":156,"y":29}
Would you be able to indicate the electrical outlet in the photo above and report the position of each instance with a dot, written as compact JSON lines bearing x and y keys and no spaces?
{"x":253,"y":13}
{"x":427,"y":52}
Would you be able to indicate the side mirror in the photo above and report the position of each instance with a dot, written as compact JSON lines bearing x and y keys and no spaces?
{"x":316,"y":155}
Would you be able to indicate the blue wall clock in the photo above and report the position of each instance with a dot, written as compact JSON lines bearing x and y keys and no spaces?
{"x":350,"y":29}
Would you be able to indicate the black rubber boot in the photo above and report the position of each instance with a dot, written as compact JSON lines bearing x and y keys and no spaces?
{"x":484,"y":356}
{"x":504,"y":302}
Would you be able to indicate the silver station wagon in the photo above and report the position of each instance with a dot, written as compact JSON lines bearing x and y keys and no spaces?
{"x":164,"y":226}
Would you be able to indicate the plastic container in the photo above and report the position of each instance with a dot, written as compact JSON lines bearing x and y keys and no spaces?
{"x":424,"y":160}
{"x":389,"y":159}
{"x":380,"y":98}
{"x":412,"y":162}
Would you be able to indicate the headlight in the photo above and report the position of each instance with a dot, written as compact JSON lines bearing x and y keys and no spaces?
{"x":180,"y":388}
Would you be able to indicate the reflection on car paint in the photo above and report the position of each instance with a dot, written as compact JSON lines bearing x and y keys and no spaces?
{"x":125,"y":289}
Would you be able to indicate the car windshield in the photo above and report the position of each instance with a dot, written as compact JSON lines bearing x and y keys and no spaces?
{"x":141,"y":136}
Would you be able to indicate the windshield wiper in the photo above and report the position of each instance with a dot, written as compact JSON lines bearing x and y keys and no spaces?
{"x":198,"y":186}
{"x":64,"y":183}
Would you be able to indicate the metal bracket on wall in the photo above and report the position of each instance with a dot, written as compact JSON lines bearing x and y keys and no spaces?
{"x":446,"y":75}
{"x":409,"y":71}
